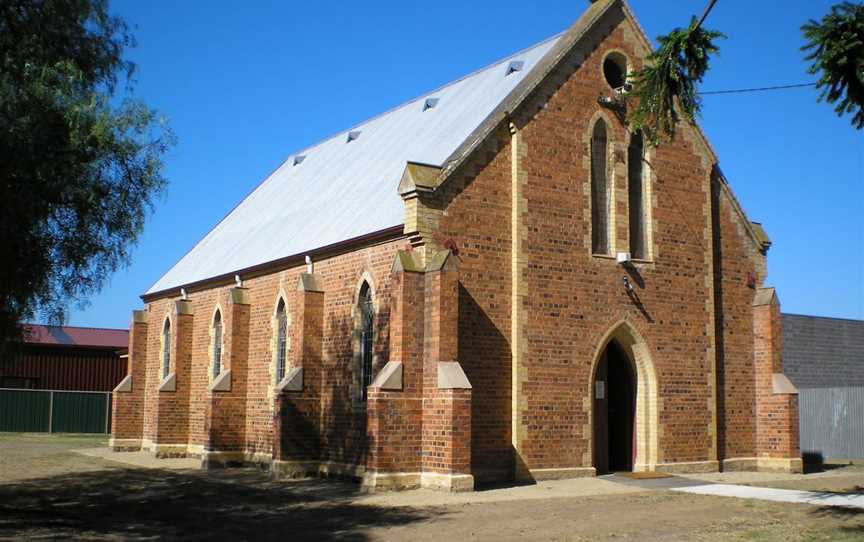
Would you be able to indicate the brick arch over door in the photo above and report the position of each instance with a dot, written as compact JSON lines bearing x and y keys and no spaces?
{"x":647,"y":428}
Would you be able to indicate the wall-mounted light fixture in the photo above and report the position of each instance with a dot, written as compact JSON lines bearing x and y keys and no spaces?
{"x":628,"y":285}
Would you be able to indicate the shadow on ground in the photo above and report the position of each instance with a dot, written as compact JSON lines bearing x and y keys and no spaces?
{"x":843,"y":512}
{"x":135,"y":504}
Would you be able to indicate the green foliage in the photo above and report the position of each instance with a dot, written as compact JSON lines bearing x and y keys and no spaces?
{"x":837,"y":51}
{"x":79,"y":165}
{"x":669,"y":79}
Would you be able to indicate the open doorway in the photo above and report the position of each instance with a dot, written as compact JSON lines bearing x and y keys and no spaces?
{"x":614,"y":392}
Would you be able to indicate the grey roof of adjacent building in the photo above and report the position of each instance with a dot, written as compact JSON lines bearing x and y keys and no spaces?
{"x":346,"y":186}
{"x":823,"y":352}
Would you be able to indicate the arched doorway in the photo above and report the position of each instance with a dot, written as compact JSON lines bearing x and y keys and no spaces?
{"x":615,"y":389}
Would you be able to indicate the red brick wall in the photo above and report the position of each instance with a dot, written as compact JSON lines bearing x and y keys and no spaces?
{"x":224,"y":425}
{"x":128,"y":407}
{"x":574,"y":298}
{"x":734,"y":297}
{"x":396,"y":417}
{"x":777,"y":414}
{"x":343,"y":420}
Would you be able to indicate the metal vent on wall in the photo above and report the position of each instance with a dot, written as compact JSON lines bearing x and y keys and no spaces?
{"x":514,"y":66}
{"x":430,"y":103}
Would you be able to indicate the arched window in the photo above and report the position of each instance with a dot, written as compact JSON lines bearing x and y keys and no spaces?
{"x":364,"y":306}
{"x":166,"y":348}
{"x":217,"y":343}
{"x":599,"y":191}
{"x":636,"y":192}
{"x":281,"y":339}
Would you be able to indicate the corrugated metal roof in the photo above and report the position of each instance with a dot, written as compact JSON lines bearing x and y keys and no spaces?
{"x":344,"y":189}
{"x":76,"y":336}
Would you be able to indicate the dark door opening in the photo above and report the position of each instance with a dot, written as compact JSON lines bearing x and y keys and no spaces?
{"x":614,"y":411}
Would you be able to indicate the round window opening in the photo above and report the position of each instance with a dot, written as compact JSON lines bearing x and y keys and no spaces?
{"x":615,"y":70}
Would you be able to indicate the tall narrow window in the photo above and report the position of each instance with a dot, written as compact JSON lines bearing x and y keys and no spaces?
{"x":599,"y":191}
{"x":364,"y":304}
{"x":166,"y":348}
{"x":281,"y":340}
{"x":635,"y":190}
{"x":217,"y":344}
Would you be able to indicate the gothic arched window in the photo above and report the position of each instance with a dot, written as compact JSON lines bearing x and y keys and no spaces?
{"x":364,"y":306}
{"x":166,"y":348}
{"x":636,"y":191}
{"x":281,"y":340}
{"x":217,"y":343}
{"x":599,"y":191}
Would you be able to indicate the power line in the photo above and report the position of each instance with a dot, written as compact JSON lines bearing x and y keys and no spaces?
{"x":705,"y":14}
{"x":738,"y":91}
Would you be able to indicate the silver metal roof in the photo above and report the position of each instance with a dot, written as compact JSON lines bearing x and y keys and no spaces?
{"x":345,"y":187}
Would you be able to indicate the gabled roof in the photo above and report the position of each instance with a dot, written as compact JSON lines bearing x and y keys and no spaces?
{"x":346,"y":186}
{"x":76,"y":336}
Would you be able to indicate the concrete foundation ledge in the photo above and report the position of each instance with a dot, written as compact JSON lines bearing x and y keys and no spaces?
{"x":282,"y":469}
{"x":347,"y":470}
{"x":211,"y":459}
{"x":561,"y":473}
{"x":258,"y":458}
{"x":390,"y":481}
{"x":170,"y":450}
{"x":794,"y":465}
{"x":689,"y":467}
{"x":740,"y":464}
{"x":455,"y":483}
{"x":124,"y":444}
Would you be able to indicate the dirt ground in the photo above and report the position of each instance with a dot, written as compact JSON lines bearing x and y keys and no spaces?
{"x":49,"y":490}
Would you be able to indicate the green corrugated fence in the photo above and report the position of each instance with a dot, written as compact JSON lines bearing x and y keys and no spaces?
{"x":41,"y":411}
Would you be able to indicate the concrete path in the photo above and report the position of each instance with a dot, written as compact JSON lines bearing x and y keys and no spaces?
{"x":819,"y":498}
{"x":667,"y":482}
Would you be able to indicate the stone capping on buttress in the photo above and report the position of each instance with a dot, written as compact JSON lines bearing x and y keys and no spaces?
{"x":389,"y":377}
{"x":452,"y":377}
{"x":765,"y":296}
{"x":222,"y":382}
{"x":169,"y":383}
{"x":781,"y":385}
{"x":293,"y":381}
{"x":125,"y":385}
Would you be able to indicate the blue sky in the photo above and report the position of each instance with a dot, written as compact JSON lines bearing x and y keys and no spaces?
{"x":243,"y":84}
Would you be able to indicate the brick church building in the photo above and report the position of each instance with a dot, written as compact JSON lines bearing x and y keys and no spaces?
{"x":494,"y":281}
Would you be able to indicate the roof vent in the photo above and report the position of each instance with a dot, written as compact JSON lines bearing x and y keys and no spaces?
{"x":430,"y":103}
{"x":352,"y":135}
{"x":299,"y":159}
{"x":514,"y":66}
